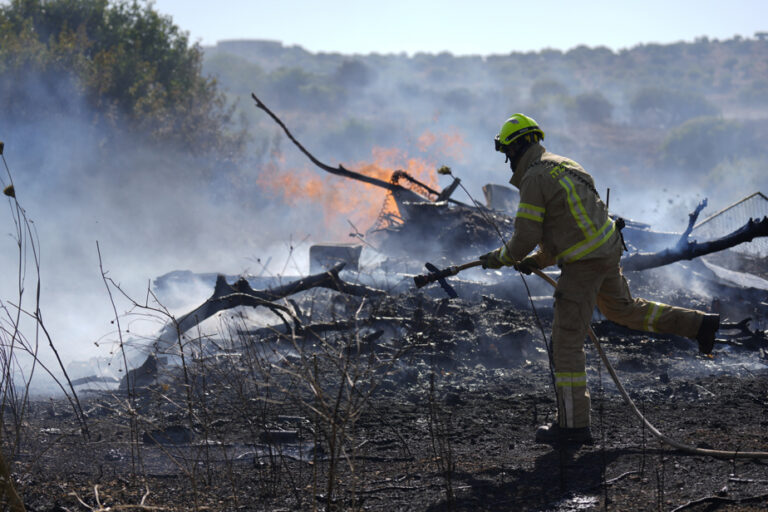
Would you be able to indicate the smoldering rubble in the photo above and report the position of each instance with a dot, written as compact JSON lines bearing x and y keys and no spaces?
{"x":354,"y":387}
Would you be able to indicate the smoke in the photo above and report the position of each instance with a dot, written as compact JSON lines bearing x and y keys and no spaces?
{"x":402,"y":101}
{"x":151,"y":210}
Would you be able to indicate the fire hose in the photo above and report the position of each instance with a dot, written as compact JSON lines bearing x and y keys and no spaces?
{"x":423,"y":280}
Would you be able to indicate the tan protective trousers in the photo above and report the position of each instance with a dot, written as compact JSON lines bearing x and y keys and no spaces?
{"x":582,"y":285}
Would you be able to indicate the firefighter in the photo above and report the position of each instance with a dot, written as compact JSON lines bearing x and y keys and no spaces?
{"x":561,"y":212}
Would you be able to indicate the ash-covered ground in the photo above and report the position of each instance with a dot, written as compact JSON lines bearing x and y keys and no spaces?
{"x":413,"y":401}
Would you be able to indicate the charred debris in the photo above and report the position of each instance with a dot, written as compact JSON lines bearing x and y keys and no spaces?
{"x":377,"y":305}
{"x":351,"y":388}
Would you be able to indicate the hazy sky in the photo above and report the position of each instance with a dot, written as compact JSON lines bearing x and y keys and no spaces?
{"x":465,"y":27}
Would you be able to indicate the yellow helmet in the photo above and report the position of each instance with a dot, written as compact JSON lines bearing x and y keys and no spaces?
{"x":516,"y":127}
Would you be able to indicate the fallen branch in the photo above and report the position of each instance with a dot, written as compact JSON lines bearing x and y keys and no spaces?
{"x":689,"y":250}
{"x":224,"y":297}
{"x":401,"y":193}
{"x":240,"y":293}
{"x":95,"y":379}
{"x":329,"y":279}
{"x":620,"y":477}
{"x":720,"y":499}
{"x":692,"y":218}
{"x":314,"y":330}
{"x":406,"y":194}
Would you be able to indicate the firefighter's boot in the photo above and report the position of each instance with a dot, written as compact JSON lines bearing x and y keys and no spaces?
{"x":555,"y":434}
{"x":706,"y":335}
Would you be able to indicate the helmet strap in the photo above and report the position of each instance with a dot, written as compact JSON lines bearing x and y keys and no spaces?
{"x":514,"y":152}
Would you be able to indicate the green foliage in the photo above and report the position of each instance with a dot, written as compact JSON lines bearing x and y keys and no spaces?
{"x":705,"y":143}
{"x":353,"y":73}
{"x":631,"y":98}
{"x":460,"y":99}
{"x":296,"y":88}
{"x":699,"y":144}
{"x":130,"y":64}
{"x":354,"y":138}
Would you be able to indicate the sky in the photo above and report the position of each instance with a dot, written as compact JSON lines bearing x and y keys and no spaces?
{"x":478,"y":27}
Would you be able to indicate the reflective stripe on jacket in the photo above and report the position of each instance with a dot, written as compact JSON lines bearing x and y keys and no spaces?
{"x":560,"y":210}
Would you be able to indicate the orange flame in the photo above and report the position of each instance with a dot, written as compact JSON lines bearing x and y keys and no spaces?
{"x":359,"y":203}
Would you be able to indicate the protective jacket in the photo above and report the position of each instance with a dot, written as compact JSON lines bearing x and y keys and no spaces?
{"x":560,"y":210}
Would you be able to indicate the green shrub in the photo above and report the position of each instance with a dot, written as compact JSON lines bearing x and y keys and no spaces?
{"x":699,"y":144}
{"x":127,"y":63}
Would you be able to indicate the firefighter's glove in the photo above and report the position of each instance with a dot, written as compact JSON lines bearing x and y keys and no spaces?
{"x":491,"y":260}
{"x":527,"y":265}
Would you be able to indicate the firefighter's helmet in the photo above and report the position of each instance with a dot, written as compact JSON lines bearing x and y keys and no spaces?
{"x":520,"y":128}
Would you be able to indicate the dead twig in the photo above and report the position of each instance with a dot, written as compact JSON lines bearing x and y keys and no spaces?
{"x":401,"y":193}
{"x":108,"y":508}
{"x":721,"y":499}
{"x":747,"y":480}
{"x":340,"y":170}
{"x":621,"y":477}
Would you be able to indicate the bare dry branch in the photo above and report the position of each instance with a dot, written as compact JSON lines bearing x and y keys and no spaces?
{"x":690,"y":250}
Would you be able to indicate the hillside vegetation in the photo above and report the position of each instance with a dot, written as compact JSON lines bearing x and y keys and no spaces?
{"x":695,"y":114}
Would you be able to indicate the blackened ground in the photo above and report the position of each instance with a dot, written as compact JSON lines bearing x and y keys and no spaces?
{"x":412,"y":402}
{"x":446,"y":425}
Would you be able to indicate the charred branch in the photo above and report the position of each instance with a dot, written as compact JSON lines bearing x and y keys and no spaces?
{"x":400,"y":174}
{"x":314,"y":331}
{"x":240,"y":293}
{"x":450,"y":189}
{"x":329,"y":279}
{"x":225,"y":297}
{"x":692,"y":217}
{"x":400,"y":192}
{"x":688,"y":250}
{"x":340,"y":170}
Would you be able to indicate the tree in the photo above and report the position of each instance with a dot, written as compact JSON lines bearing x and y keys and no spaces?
{"x":294,"y":87}
{"x":353,"y":73}
{"x":700,"y":144}
{"x":127,"y":62}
